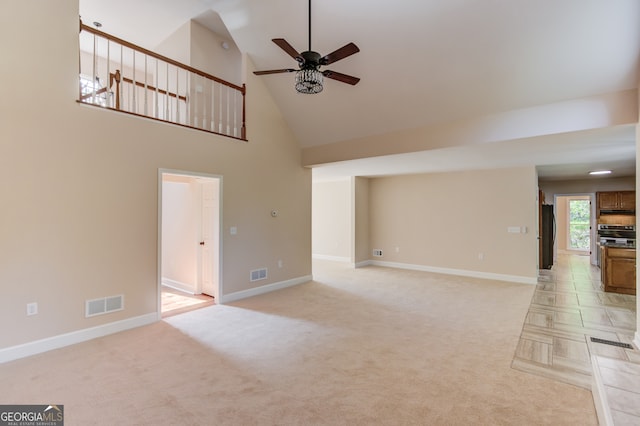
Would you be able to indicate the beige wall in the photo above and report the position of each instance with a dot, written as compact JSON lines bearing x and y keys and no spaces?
{"x":560,"y":214}
{"x":341,"y":219}
{"x":207,"y":54}
{"x":195,"y":45}
{"x":176,"y":46}
{"x":450,"y":220}
{"x":361,"y":250}
{"x":80,"y":187}
{"x":332,"y":219}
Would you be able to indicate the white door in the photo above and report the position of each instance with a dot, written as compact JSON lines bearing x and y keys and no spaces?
{"x":208,"y":272}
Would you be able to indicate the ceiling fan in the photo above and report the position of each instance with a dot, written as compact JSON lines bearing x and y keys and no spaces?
{"x":309,"y":78}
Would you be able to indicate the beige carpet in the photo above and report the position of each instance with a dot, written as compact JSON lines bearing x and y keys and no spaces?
{"x":354,"y":347}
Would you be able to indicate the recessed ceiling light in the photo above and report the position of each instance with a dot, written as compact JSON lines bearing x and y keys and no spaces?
{"x":600,"y":172}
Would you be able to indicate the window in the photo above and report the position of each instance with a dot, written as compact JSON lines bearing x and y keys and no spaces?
{"x":579,"y":224}
{"x":87,"y":89}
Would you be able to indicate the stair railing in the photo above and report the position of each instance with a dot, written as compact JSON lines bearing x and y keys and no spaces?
{"x":119,"y":75}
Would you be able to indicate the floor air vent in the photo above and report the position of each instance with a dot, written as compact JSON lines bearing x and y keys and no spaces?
{"x":104,"y":305}
{"x":612,"y":343}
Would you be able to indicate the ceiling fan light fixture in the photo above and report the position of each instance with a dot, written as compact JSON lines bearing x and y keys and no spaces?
{"x":309,"y":81}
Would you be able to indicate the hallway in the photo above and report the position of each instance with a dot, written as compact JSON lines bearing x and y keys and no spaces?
{"x":567,"y":309}
{"x":175,"y":302}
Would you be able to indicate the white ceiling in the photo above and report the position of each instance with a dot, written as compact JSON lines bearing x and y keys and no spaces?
{"x":424,"y":62}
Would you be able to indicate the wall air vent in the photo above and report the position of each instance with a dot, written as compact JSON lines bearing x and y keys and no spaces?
{"x":104,"y":305}
{"x":258,"y":274}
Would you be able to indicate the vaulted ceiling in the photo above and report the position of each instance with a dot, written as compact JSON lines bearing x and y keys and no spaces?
{"x":430,"y":63}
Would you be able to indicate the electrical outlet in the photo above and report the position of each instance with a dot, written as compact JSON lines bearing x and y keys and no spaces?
{"x":279,"y":263}
{"x":32,"y":308}
{"x":377,"y":252}
{"x":480,"y":256}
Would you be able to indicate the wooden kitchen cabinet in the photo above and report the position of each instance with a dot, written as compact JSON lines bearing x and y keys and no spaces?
{"x":619,"y":270}
{"x":627,"y":200}
{"x":615,"y":200}
{"x":607,"y":200}
{"x":602,"y":260}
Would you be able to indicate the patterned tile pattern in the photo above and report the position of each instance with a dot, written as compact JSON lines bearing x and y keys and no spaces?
{"x":617,"y":387}
{"x":567,"y":308}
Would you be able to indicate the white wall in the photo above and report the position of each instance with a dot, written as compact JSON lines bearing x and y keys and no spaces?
{"x":179,"y":233}
{"x":332,"y":231}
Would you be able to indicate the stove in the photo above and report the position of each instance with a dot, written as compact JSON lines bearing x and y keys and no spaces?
{"x":617,"y":235}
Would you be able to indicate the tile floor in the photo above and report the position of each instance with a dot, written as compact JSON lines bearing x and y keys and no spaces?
{"x":616,"y":391}
{"x":567,"y":308}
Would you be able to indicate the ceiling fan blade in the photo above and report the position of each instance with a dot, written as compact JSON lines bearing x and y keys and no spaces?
{"x":284,"y":45}
{"x":341,"y":77}
{"x":343,"y":52}
{"x":273,"y":71}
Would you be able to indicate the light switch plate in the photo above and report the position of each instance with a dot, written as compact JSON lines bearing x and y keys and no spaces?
{"x":32,"y":308}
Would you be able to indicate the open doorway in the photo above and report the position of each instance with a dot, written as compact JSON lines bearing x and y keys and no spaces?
{"x":575,"y":217}
{"x":189,"y":241}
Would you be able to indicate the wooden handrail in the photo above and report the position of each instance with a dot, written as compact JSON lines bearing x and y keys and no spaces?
{"x":118,"y":78}
{"x":83,"y":27}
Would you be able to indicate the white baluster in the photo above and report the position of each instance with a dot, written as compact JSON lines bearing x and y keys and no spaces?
{"x":146,"y":89}
{"x":93,"y":70}
{"x":134,"y":101}
{"x":157,"y":82}
{"x":166,"y":97}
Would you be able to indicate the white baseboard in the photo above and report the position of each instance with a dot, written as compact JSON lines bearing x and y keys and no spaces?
{"x":333,"y":258}
{"x":187,"y":288}
{"x":227,"y":298}
{"x":460,"y":272}
{"x":362,"y":264}
{"x":62,"y":340}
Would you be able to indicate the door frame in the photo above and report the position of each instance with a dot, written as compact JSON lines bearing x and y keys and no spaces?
{"x":593,"y":256}
{"x":217,"y":259}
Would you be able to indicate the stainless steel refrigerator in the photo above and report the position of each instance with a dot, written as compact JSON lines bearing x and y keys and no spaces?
{"x":547,"y":236}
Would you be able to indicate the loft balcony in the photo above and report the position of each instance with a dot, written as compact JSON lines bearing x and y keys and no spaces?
{"x":118,"y":75}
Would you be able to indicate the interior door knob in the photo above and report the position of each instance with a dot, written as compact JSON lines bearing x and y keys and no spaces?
{"x":201,"y":243}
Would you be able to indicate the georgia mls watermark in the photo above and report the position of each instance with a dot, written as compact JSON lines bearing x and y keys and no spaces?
{"x":31,"y":415}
